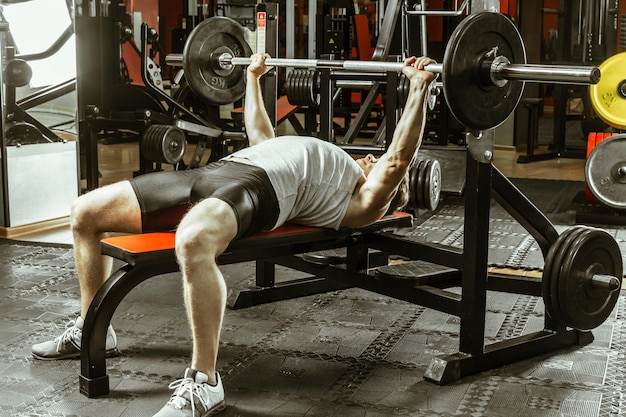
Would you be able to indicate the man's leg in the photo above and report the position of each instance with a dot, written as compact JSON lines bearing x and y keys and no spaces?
{"x":203,"y":234}
{"x":113,"y":208}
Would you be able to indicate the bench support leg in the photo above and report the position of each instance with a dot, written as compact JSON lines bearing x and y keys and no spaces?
{"x":93,"y":380}
{"x":447,"y":369}
{"x":249,"y":297}
{"x":267,"y":290}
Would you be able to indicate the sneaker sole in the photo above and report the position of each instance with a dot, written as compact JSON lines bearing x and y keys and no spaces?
{"x":217,"y":408}
{"x":111,"y":353}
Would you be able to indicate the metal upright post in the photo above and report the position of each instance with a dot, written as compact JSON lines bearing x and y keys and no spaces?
{"x":475,"y":255}
{"x":326,"y":106}
{"x":267,"y":41}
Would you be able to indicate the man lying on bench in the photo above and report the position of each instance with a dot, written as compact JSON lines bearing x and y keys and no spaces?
{"x":301,"y":180}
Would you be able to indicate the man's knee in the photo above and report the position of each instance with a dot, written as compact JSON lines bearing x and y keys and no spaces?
{"x":206,"y":230}
{"x":82,"y":216}
{"x":113,"y":208}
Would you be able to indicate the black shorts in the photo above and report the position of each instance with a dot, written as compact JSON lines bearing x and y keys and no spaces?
{"x":165,"y":196}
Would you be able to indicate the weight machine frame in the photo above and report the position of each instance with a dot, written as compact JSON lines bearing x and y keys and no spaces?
{"x":103,"y":95}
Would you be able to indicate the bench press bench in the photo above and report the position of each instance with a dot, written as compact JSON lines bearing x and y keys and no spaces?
{"x":151,"y":254}
{"x":296,"y":247}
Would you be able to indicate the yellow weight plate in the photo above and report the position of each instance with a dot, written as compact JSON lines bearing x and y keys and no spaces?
{"x":608,"y":96}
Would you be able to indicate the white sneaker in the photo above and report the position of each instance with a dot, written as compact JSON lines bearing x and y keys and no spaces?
{"x":194,"y":397}
{"x":67,"y":346}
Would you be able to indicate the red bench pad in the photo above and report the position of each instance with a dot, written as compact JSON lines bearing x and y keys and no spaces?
{"x":130,"y":247}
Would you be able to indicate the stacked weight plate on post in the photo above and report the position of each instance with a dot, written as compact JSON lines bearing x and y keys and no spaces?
{"x":425,"y":184}
{"x":582,"y":277}
{"x":302,"y":87}
{"x":163,"y":144}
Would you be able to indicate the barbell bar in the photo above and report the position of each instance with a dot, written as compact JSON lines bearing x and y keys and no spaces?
{"x":498,"y":69}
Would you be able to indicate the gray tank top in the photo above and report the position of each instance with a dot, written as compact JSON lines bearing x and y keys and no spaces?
{"x":313,"y":179}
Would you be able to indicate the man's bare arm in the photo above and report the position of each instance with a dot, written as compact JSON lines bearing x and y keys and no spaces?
{"x":258,"y":124}
{"x":374,"y":195}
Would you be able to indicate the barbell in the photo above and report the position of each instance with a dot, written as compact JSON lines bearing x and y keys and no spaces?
{"x":483,"y":70}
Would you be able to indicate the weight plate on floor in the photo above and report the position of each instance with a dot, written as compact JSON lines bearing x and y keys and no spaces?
{"x":585,"y":306}
{"x":608,"y":96}
{"x":605,"y":172}
{"x":553,"y":262}
{"x":546,"y":281}
{"x":206,"y":42}
{"x":471,"y":96}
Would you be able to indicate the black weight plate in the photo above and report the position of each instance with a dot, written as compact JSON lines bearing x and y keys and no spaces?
{"x":475,"y":102}
{"x":302,"y":87}
{"x":560,"y":259}
{"x":583,"y":305}
{"x":413,"y":184}
{"x":289,"y":87}
{"x":562,"y":273}
{"x":419,"y":187}
{"x":411,"y":181}
{"x":205,"y":44}
{"x":403,"y":90}
{"x":297,"y":99}
{"x":185,"y":96}
{"x":546,"y":282}
{"x":561,"y":245}
{"x":150,"y":143}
